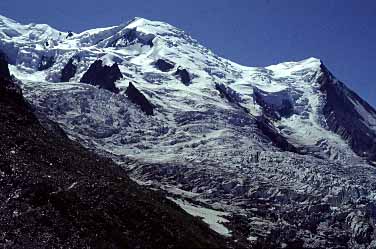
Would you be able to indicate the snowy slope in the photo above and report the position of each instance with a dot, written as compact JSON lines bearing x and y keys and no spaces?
{"x":260,"y":142}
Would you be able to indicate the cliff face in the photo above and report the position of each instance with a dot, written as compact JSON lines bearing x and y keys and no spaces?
{"x":348,"y":115}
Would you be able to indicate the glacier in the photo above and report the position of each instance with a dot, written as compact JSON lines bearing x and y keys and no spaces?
{"x":287,"y":151}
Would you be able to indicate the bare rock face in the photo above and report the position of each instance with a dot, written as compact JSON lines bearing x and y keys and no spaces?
{"x":184,"y":76}
{"x":46,"y":62}
{"x":272,"y":133}
{"x":4,"y":70}
{"x":69,"y":69}
{"x":70,"y":34}
{"x":275,"y":105}
{"x":164,"y":65}
{"x":102,"y":76}
{"x":342,"y":115}
{"x":132,"y":37}
{"x":139,"y":99}
{"x":228,"y":93}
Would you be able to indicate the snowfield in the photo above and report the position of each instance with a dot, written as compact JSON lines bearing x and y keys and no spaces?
{"x":268,"y":146}
{"x":213,"y":218}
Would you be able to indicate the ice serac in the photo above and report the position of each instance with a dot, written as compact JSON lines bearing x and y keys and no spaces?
{"x":349,"y":115}
{"x":275,"y":104}
{"x":103,"y":76}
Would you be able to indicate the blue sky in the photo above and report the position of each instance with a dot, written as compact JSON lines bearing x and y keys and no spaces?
{"x":255,"y":33}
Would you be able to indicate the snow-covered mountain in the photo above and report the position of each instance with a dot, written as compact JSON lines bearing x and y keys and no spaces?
{"x":286,"y":151}
{"x":69,"y":197}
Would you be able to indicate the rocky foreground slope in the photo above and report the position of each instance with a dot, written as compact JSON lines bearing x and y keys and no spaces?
{"x":56,"y":194}
{"x":280,"y":156}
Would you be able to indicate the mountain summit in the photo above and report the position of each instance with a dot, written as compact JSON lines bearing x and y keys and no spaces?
{"x":284,"y":153}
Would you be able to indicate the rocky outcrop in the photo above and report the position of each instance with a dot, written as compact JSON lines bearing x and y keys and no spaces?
{"x":139,"y":99}
{"x":131,"y":37}
{"x":228,"y":93}
{"x":184,"y":76}
{"x":164,"y":65}
{"x":231,"y":95}
{"x":56,"y":194}
{"x":102,"y":76}
{"x":46,"y":62}
{"x":268,"y":129}
{"x":341,"y":111}
{"x":69,"y":69}
{"x":70,"y":34}
{"x":4,"y":70}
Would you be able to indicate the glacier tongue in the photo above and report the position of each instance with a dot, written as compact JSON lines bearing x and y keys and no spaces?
{"x":264,"y":145}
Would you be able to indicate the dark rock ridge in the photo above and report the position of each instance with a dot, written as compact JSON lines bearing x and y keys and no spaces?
{"x":70,"y":69}
{"x":139,"y":99}
{"x":4,"y":70}
{"x":343,"y":118}
{"x":274,"y":105}
{"x":231,"y":95}
{"x":268,"y":129}
{"x":70,"y":34}
{"x":102,"y":76}
{"x":184,"y":76}
{"x":164,"y":65}
{"x":131,"y":37}
{"x":56,"y":194}
{"x":46,"y":62}
{"x":226,"y":92}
